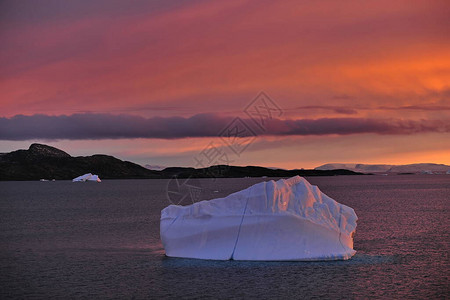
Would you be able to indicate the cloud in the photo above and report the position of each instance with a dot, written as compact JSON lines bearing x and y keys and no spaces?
{"x":337,"y":109}
{"x":109,"y":56}
{"x":417,"y":107}
{"x":345,"y":126}
{"x":107,"y":126}
{"x":349,"y":110}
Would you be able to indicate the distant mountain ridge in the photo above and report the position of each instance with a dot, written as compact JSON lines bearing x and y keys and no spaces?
{"x":381,"y":168}
{"x":40,"y":161}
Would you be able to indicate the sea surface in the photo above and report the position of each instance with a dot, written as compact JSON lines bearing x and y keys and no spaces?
{"x":66,"y":240}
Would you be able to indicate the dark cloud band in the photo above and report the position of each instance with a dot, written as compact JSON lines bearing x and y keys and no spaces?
{"x":107,"y":126}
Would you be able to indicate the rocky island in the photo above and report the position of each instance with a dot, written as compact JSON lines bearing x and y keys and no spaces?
{"x":43,"y":161}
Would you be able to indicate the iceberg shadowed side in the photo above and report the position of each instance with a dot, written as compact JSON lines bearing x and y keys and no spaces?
{"x":283,"y":220}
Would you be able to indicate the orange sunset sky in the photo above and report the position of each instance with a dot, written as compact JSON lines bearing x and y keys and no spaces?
{"x":156,"y":82}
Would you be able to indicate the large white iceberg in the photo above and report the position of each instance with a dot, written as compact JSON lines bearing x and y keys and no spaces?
{"x":87,"y":177}
{"x":283,"y":220}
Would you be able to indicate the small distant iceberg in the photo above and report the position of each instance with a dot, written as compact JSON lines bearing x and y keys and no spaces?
{"x":284,"y":220}
{"x":427,"y":172}
{"x":87,"y":177}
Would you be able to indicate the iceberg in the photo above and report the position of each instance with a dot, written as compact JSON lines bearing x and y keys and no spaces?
{"x":87,"y":177}
{"x":286,"y":220}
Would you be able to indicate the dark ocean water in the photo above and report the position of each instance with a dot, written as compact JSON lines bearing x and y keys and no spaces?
{"x":87,"y":240}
